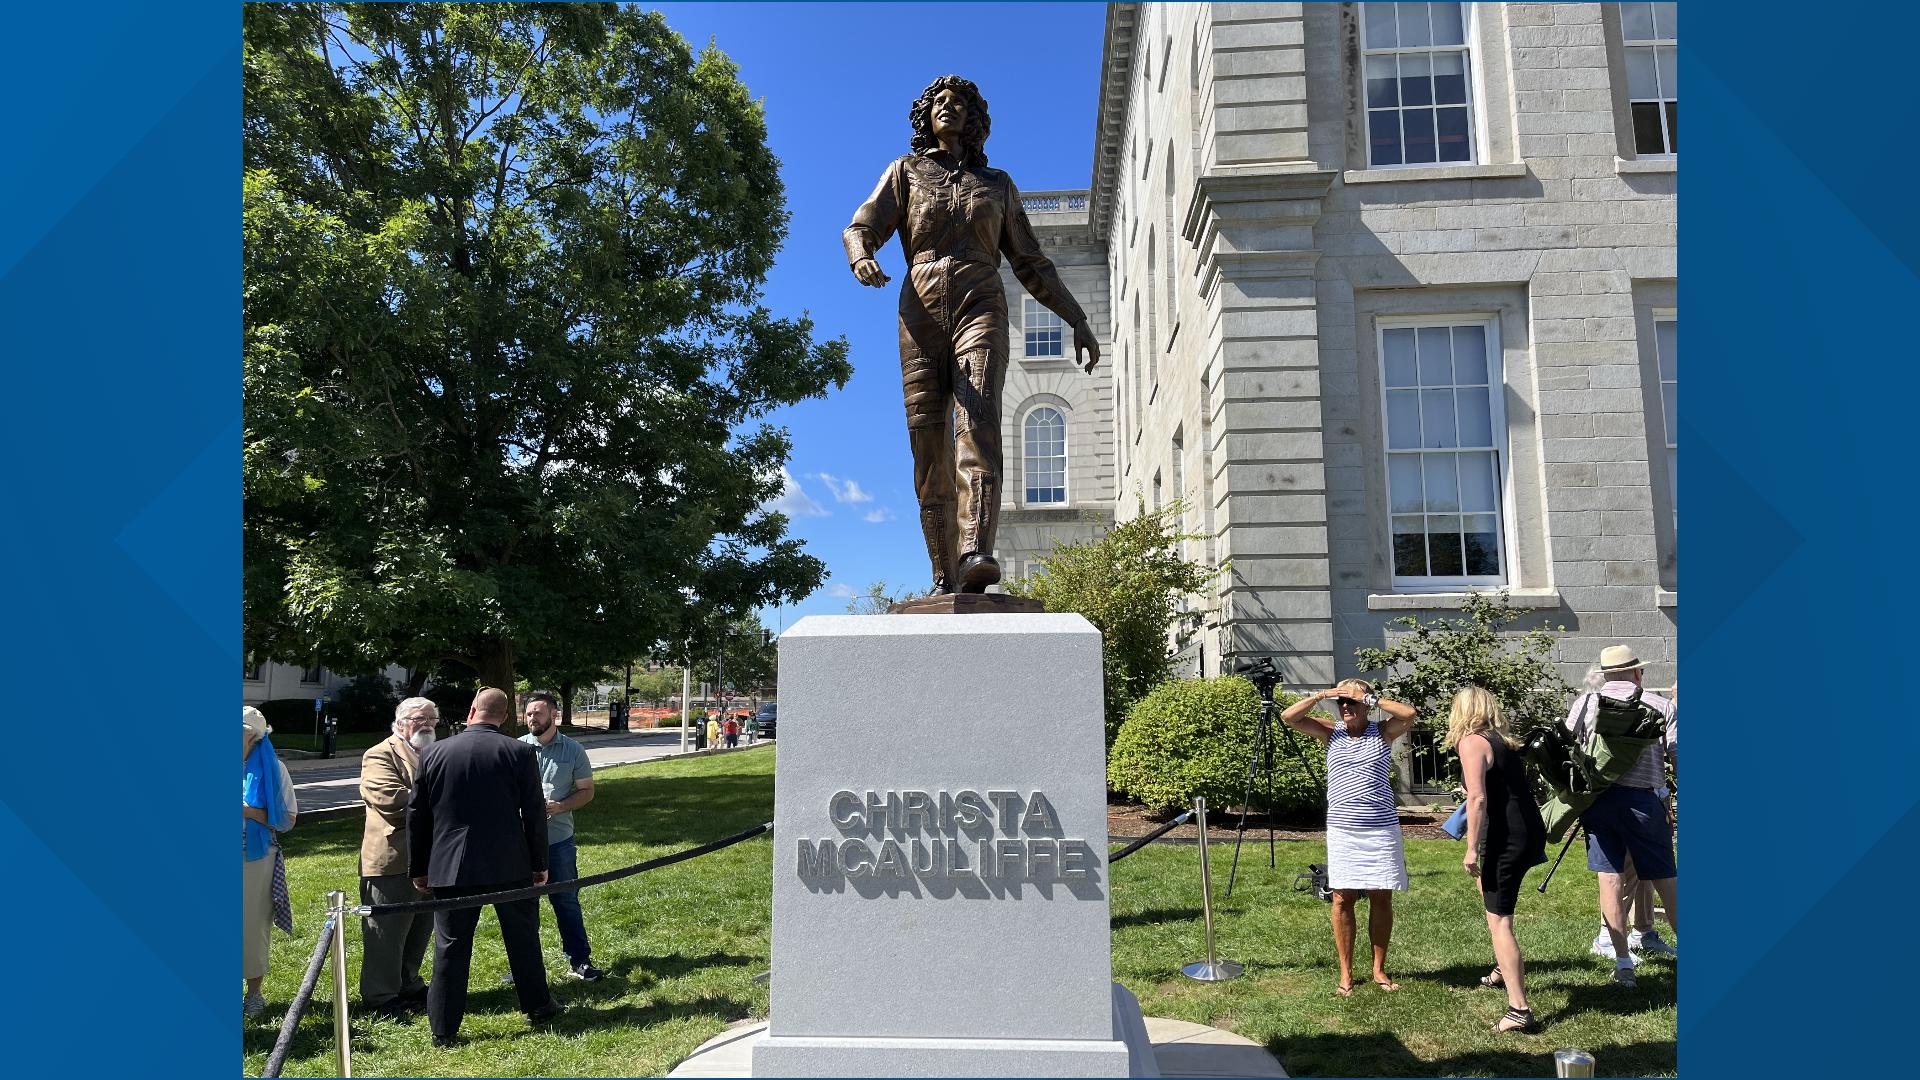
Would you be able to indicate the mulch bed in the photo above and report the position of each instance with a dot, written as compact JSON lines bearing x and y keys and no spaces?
{"x":1125,"y":821}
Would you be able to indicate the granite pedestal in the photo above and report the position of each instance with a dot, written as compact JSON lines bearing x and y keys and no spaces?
{"x":940,"y":853}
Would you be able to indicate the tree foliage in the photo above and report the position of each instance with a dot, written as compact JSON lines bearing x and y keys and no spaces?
{"x":506,"y":369}
{"x":1433,"y":658}
{"x":1191,"y":737}
{"x":657,"y":687}
{"x":1130,"y":585}
{"x":879,"y":598}
{"x":737,"y":653}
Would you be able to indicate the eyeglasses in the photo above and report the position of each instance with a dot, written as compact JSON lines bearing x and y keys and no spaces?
{"x":1348,"y":703}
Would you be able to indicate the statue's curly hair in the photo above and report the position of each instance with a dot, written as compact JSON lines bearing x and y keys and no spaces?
{"x":973,"y":137}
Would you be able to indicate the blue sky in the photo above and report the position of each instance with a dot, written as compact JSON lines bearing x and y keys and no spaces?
{"x":836,"y":80}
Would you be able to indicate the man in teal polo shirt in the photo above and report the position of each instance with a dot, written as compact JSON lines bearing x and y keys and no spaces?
{"x":567,"y":776}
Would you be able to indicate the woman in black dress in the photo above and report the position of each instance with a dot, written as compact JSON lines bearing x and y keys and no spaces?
{"x":1505,"y":836}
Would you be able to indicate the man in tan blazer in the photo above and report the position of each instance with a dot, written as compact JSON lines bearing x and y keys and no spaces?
{"x":395,"y":946}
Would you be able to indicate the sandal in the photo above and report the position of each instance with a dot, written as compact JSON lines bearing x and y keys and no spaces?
{"x":1520,"y":1020}
{"x":1492,"y":980}
{"x":1344,"y":989}
{"x":1387,"y":985}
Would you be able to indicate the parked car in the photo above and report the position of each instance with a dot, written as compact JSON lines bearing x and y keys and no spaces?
{"x":766,"y":719}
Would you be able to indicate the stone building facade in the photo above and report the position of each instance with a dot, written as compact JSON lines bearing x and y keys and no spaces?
{"x":1057,"y":421}
{"x":1391,"y":298}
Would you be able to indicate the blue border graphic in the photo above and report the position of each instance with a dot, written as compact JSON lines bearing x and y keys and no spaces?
{"x":119,"y":287}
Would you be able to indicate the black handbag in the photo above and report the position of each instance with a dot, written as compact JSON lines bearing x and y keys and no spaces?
{"x":1313,"y":879}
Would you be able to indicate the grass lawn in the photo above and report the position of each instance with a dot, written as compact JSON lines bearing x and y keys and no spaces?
{"x":682,"y":944}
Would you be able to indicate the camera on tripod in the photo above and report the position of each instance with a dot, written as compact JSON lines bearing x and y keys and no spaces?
{"x":1261,"y":672}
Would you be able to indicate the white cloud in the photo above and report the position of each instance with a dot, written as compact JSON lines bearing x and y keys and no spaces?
{"x":793,"y":500}
{"x":843,"y":592}
{"x":844,"y":491}
{"x":879,"y":515}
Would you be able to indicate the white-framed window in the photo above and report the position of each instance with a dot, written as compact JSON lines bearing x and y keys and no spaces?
{"x":250,"y":669}
{"x":1045,"y":443}
{"x":1418,"y":83}
{"x":312,"y":674}
{"x":1666,"y":346}
{"x":1043,"y":328}
{"x":1651,"y":38}
{"x":1177,"y":464}
{"x":1445,"y":432}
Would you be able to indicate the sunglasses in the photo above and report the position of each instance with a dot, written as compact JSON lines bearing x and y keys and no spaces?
{"x":1347,"y":702}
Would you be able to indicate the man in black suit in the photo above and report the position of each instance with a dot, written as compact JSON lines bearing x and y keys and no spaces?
{"x":478,"y":824}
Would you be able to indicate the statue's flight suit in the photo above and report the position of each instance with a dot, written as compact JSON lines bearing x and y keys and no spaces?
{"x":955,"y":221}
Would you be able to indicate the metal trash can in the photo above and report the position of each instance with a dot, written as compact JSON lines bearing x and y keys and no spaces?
{"x":1571,"y":1062}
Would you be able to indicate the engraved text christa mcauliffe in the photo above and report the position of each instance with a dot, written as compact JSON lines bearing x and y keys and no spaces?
{"x":998,"y":836}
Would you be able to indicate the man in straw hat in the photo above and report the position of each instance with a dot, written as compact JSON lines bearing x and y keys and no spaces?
{"x":1628,"y":825}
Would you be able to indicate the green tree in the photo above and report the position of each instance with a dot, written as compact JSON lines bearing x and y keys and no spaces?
{"x":736,"y":653}
{"x":657,"y":687}
{"x":506,"y":370}
{"x":1130,"y":585}
{"x":1431,"y":659}
{"x":879,"y":598}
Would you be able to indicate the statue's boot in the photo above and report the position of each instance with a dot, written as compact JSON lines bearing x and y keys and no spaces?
{"x":977,"y":449}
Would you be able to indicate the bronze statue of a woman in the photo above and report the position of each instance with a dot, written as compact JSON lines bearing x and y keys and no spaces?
{"x":956,"y":217}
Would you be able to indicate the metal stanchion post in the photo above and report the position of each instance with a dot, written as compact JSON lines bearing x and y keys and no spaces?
{"x":1572,"y":1063}
{"x":1212,"y":969}
{"x":342,"y":1033}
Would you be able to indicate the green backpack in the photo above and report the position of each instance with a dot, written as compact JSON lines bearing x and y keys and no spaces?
{"x":1623,"y":729}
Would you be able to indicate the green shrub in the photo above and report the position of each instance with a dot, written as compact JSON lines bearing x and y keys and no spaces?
{"x":365,"y":704}
{"x":1429,"y":660}
{"x":288,"y":717}
{"x":1191,"y":737}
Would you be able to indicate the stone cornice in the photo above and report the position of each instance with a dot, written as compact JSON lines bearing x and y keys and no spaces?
{"x":1241,"y":221}
{"x":1110,"y":112}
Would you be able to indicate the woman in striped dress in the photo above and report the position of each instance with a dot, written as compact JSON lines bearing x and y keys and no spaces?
{"x":1364,"y":852}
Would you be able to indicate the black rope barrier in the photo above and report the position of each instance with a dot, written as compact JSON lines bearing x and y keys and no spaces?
{"x":531,"y":892}
{"x":298,"y":1007}
{"x":1150,"y":837}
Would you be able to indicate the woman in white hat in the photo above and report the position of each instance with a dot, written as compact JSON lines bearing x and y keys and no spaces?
{"x":267,"y":809}
{"x":1365,"y":854}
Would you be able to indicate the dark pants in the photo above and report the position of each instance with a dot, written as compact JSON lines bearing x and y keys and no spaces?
{"x":733,"y":739}
{"x":563,"y":864}
{"x":453,"y":955}
{"x":393,"y":947}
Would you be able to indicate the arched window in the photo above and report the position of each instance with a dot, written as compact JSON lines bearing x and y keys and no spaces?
{"x":1046,"y":447}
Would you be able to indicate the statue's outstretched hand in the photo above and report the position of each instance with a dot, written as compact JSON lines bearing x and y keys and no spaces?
{"x":1086,"y":349}
{"x":869,"y":273}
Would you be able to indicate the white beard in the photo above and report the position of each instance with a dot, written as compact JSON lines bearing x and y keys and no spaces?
{"x":420,"y":740}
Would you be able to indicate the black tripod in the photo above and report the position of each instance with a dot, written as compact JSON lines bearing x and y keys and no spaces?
{"x":1260,"y":758}
{"x":1571,"y":837}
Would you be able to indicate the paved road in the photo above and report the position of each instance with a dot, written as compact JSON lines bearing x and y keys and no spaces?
{"x":332,"y":784}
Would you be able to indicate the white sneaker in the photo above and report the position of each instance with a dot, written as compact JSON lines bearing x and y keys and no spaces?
{"x":254,"y":1007}
{"x":1651,"y":944}
{"x":1603,"y":944}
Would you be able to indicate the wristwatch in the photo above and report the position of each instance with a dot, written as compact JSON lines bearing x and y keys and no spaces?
{"x":1372,"y":700}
